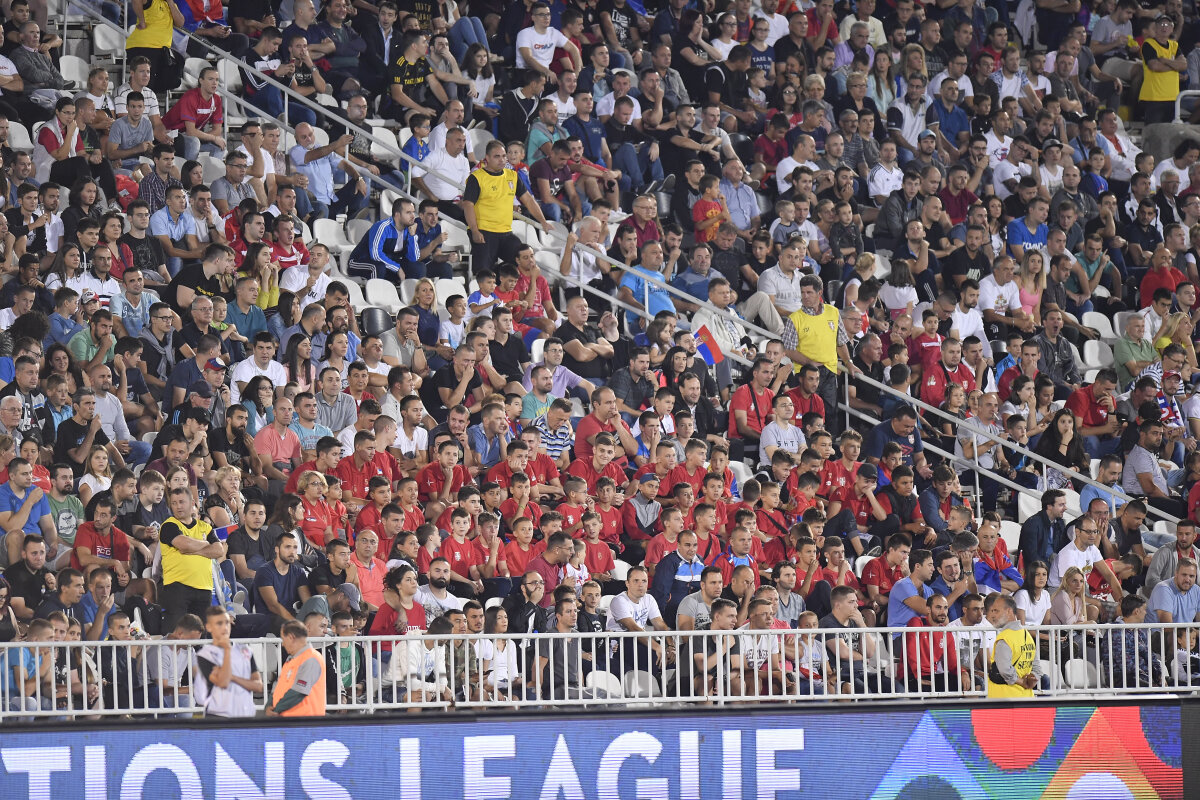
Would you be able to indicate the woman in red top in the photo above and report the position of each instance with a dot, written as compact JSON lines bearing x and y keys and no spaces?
{"x":400,"y":613}
{"x":317,"y":523}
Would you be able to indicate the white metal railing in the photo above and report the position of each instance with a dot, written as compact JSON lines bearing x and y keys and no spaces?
{"x":117,"y":679}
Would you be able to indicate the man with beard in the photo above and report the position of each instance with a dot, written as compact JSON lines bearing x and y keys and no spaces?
{"x":281,"y":583}
{"x":231,"y":445}
{"x":76,"y":436}
{"x":434,"y":596}
{"x":932,"y":658}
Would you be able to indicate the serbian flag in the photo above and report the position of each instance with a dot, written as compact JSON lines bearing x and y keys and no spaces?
{"x":706,"y":346}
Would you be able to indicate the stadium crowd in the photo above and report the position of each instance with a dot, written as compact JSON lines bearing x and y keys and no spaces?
{"x":934,"y":201}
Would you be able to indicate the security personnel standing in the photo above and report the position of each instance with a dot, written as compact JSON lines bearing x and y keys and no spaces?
{"x":189,"y":548}
{"x":1013,"y":668}
{"x":815,"y":335}
{"x":1161,"y":65}
{"x":488,"y":207}
{"x":300,"y":690}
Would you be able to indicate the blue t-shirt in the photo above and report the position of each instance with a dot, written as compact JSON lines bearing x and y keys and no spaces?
{"x":592,"y":134}
{"x":10,"y":502}
{"x":23,"y":658}
{"x":898,"y":613}
{"x":660,"y":299}
{"x":693,"y":283}
{"x":287,"y":587}
{"x":882,"y":433}
{"x":1019,"y":233}
{"x":309,"y":438}
{"x":1182,"y":606}
{"x":87,"y":609}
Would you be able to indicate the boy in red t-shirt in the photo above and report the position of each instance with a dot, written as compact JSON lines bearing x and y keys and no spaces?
{"x":926,"y":347}
{"x":710,"y":210}
{"x":611,"y":523}
{"x":370,"y":516}
{"x":769,"y":518}
{"x":520,"y":505}
{"x":576,"y":503}
{"x":713,"y":493}
{"x":859,"y":499}
{"x":665,"y":542}
{"x":462,"y":554}
{"x":519,"y":552}
{"x":599,"y":558}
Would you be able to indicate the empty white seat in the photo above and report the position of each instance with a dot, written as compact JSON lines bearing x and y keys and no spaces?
{"x":383,"y":294}
{"x":447,"y":288}
{"x":1081,"y":674}
{"x":537,"y":351}
{"x":18,"y":136}
{"x":1100,"y":322}
{"x":640,"y":683}
{"x":108,"y":41}
{"x":329,"y":233}
{"x":1027,"y":506}
{"x":357,"y":301}
{"x":620,"y":570}
{"x":605,"y":681}
{"x":1010,"y":532}
{"x":356,"y":229}
{"x":1097,"y":354}
{"x":74,"y":69}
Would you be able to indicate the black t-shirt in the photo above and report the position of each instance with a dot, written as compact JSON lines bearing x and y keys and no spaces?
{"x":424,"y":10}
{"x":255,"y":10}
{"x":509,"y":358}
{"x":70,"y":435}
{"x":597,"y":367}
{"x":255,"y":550}
{"x":166,"y":434}
{"x":29,"y":586}
{"x":960,"y":263}
{"x":445,"y":378}
{"x":148,"y":254}
{"x":193,"y":277}
{"x":235,"y":451}
{"x":617,"y":134}
{"x":686,"y":663}
{"x":323,"y":575}
{"x":624,"y":20}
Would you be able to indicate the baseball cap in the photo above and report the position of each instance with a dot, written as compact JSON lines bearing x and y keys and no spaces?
{"x":353,"y":596}
{"x":215,"y":364}
{"x":1051,"y":143}
{"x":200,"y":389}
{"x":649,"y":476}
{"x":88,"y":296}
{"x":1172,"y":374}
{"x":925,"y":134}
{"x":868,"y":472}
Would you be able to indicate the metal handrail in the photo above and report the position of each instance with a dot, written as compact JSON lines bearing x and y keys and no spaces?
{"x":974,"y":428}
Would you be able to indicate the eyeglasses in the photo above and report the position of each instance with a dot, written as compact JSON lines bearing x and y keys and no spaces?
{"x":162,"y":319}
{"x":535,"y":583}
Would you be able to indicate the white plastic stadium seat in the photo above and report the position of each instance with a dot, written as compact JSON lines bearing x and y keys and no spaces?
{"x":494,"y":602}
{"x":620,"y":570}
{"x":191,"y":71}
{"x":1100,"y":322}
{"x":741,"y":473}
{"x":447,"y":288}
{"x":1097,"y":354}
{"x":213,"y":167}
{"x":108,"y":41}
{"x":356,"y":229}
{"x":639,"y":683}
{"x":601,"y":679}
{"x":1081,"y":674}
{"x":1054,"y":675}
{"x":18,"y":136}
{"x":383,"y":294}
{"x":537,"y":351}
{"x":1119,"y":320}
{"x":357,"y":301}
{"x":384,"y":146}
{"x":407,"y":288}
{"x":1027,"y":506}
{"x":860,"y":564}
{"x":1010,"y":532}
{"x":329,"y":233}
{"x":75,"y":70}
{"x":231,"y":76}
{"x":456,"y":238}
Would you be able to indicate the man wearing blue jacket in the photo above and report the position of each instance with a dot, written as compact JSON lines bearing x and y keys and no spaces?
{"x":677,"y":576}
{"x":389,"y":250}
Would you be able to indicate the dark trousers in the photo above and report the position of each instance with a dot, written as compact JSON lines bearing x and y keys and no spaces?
{"x":828,"y":392}
{"x":179,"y":599}
{"x":818,"y":599}
{"x":845,"y":526}
{"x":495,"y":245}
{"x":452,"y":210}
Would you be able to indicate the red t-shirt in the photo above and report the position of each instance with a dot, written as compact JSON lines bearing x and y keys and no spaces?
{"x":589,"y":426}
{"x":508,"y":510}
{"x":838,"y":476}
{"x":757,"y":405}
{"x":541,"y":469}
{"x":936,"y":378}
{"x":193,"y":107}
{"x":705,"y":210}
{"x":461,"y":555}
{"x":385,"y":620}
{"x":802,"y":405}
{"x":659,"y":546}
{"x":294,"y":479}
{"x":501,"y":474}
{"x":598,"y":558}
{"x":294,"y":256}
{"x":610,"y":524}
{"x":860,"y":507}
{"x":924,"y":349}
{"x":355,"y":480}
{"x":1083,"y":404}
{"x":571,"y":516}
{"x":369,"y":518}
{"x":1097,"y":585}
{"x":317,"y":517}
{"x":583,"y":468}
{"x":877,"y":573}
{"x":115,"y":545}
{"x":518,"y":559}
{"x":771,"y":523}
{"x":413,"y":518}
{"x":1168,"y":278}
{"x":536,"y":309}
{"x":431,"y":479}
{"x":679,"y":474}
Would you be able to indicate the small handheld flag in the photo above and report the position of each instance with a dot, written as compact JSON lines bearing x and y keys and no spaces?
{"x":706,"y":346}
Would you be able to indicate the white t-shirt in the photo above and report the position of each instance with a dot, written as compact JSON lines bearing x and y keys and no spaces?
{"x":418,"y":442}
{"x":1006,"y":170}
{"x":882,"y":181}
{"x":758,"y":647}
{"x":294,"y":280}
{"x":7,"y":67}
{"x":606,"y":104}
{"x":246,"y":370}
{"x":1072,"y":556}
{"x":152,"y":109}
{"x":1034,"y":612}
{"x":994,"y":297}
{"x":541,"y":46}
{"x":642,"y":612}
{"x":789,"y":439}
{"x":997,"y":148}
{"x":1051,"y":179}
{"x":456,"y":168}
{"x":969,"y":323}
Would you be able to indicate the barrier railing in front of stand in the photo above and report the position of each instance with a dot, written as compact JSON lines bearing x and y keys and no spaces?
{"x":158,"y":678}
{"x":983,"y":436}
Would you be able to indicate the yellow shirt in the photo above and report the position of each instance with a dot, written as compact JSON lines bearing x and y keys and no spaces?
{"x":1160,"y":86}
{"x":159,"y":27}
{"x":493,"y":197}
{"x":1024,"y":652}
{"x":187,"y":568}
{"x":816,"y":336}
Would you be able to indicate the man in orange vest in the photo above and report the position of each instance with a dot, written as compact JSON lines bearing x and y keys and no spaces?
{"x":300,"y":690}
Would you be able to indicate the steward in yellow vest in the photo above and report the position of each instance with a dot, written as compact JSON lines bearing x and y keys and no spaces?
{"x":1161,"y":66}
{"x":1013,"y":669}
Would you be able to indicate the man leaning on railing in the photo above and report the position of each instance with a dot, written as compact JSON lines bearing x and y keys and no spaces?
{"x":1013,"y":669}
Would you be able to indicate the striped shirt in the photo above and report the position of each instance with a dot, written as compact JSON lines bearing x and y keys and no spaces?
{"x":557,"y":441}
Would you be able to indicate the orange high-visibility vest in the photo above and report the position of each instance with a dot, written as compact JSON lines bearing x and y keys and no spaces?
{"x":313,"y":705}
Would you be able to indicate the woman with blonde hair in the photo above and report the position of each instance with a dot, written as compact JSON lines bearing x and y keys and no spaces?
{"x":1031,"y":282}
{"x":97,"y":473}
{"x":912,"y":62}
{"x":224,"y":506}
{"x":864,"y":268}
{"x":1177,"y":329}
{"x":1069,"y":605}
{"x":317,"y":523}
